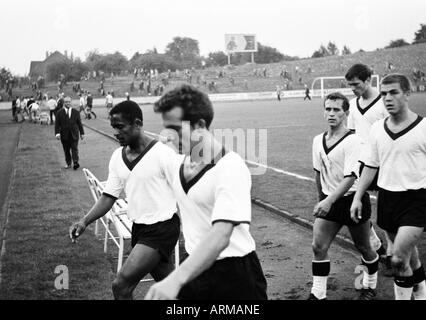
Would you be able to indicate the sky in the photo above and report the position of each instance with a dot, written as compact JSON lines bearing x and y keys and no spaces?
{"x":298,"y":27}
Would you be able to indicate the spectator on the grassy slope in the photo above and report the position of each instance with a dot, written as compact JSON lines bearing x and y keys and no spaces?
{"x":140,"y":169}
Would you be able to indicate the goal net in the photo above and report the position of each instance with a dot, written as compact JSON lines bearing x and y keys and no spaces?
{"x":322,"y":86}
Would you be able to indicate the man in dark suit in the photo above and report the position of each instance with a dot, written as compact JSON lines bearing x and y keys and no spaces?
{"x":68,"y":127}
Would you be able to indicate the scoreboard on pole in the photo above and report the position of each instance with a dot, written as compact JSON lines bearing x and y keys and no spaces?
{"x":240,"y":43}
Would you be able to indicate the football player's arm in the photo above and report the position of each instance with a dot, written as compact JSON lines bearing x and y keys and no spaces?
{"x":324,"y":206}
{"x":99,"y":209}
{"x":367,"y":177}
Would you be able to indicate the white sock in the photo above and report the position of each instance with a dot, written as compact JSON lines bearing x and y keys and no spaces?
{"x":419,"y":291}
{"x":319,"y":287}
{"x":374,"y":239}
{"x":369,"y":280}
{"x":402,"y":293}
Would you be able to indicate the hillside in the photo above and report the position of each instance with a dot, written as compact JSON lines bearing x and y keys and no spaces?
{"x":242,"y":78}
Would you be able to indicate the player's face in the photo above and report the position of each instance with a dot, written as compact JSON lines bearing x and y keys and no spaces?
{"x":125,"y":132}
{"x":393,"y":97}
{"x":358,"y":86}
{"x":176,"y":130}
{"x":333,"y":113}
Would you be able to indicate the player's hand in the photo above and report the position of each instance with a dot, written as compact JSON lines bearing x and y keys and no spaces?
{"x":76,"y":230}
{"x":322,"y":208}
{"x":166,"y":289}
{"x":82,"y":136}
{"x":356,"y":210}
{"x":58,"y":136}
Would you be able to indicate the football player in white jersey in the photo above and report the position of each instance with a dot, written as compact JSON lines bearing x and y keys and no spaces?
{"x":397,"y":145}
{"x":335,"y":160}
{"x":212,"y":186}
{"x":366,"y":108}
{"x":138,"y":168}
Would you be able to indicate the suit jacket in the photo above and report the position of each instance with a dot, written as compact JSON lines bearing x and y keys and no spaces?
{"x":68,"y":128}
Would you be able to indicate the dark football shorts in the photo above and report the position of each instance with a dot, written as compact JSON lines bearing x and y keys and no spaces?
{"x":162,"y":235}
{"x":340,"y":210}
{"x":233,"y":278}
{"x":397,"y":209}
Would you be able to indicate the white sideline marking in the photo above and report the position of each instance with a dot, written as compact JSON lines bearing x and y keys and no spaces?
{"x":287,"y":173}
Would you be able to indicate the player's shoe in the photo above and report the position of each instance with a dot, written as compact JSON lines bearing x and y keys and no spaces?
{"x":367,"y":294}
{"x":312,"y":297}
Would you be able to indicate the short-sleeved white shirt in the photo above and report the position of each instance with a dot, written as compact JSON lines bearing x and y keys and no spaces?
{"x":109,"y":98}
{"x":220,"y":192}
{"x":361,"y":120}
{"x":51,"y":104}
{"x":149,"y":195}
{"x":401,"y":156}
{"x":336,"y":162}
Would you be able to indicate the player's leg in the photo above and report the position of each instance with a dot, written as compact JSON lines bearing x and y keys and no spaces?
{"x":324,"y":232}
{"x":419,"y":285}
{"x":405,"y":241}
{"x":388,"y":260}
{"x":361,"y":237}
{"x":141,"y":261}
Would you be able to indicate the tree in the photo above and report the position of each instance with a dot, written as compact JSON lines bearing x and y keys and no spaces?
{"x":332,"y":48}
{"x":267,"y":54}
{"x":321,"y":52}
{"x":161,"y":62}
{"x":184,"y":51}
{"x":397,"y":43}
{"x":92,"y":58}
{"x":218,"y":58}
{"x":420,"y":35}
{"x":346,"y":50}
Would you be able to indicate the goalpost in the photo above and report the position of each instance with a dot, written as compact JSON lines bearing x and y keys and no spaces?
{"x":326,"y":88}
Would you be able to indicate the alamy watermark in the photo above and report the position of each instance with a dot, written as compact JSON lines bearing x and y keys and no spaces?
{"x":251,"y":144}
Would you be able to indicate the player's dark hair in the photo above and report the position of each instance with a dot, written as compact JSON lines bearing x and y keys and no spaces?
{"x":338,"y":96}
{"x":360,"y":71}
{"x":403,"y":81}
{"x":196,"y":105}
{"x":129,"y":110}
